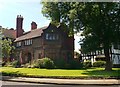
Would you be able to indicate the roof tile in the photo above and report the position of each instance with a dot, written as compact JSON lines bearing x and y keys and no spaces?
{"x":31,"y":34}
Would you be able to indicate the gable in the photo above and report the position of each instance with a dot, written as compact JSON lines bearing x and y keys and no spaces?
{"x":51,"y":29}
{"x":52,"y":33}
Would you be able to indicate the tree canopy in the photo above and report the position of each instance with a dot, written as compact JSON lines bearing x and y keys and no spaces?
{"x":6,"y":46}
{"x":100,"y":23}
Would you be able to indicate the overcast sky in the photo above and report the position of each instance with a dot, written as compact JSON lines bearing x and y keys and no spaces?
{"x":29,"y":9}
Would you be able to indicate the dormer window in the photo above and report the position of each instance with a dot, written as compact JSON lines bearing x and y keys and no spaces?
{"x":28,"y":42}
{"x":50,"y":36}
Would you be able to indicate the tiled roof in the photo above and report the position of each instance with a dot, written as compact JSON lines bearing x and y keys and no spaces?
{"x":31,"y":34}
{"x":9,"y":33}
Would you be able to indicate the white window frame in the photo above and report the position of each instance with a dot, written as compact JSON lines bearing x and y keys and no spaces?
{"x":50,"y":36}
{"x":28,"y":42}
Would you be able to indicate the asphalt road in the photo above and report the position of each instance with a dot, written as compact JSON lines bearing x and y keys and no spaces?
{"x":22,"y":84}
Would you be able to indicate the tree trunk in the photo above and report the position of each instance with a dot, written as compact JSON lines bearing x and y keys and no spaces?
{"x":108,"y":66}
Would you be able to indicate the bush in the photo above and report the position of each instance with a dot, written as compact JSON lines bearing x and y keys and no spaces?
{"x":70,"y":64}
{"x":27,"y":65}
{"x":43,"y":63}
{"x":60,"y":63}
{"x":87,"y":64}
{"x":8,"y":64}
{"x":47,"y":63}
{"x":75,"y":64}
{"x":16,"y":64}
{"x":99,"y":64}
{"x":37,"y":63}
{"x":3,"y":63}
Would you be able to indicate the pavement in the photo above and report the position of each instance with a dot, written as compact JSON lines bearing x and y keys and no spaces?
{"x":63,"y":81}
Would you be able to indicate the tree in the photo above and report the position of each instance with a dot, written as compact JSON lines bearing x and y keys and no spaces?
{"x":0,"y":43}
{"x":99,"y":22}
{"x":6,"y":45}
{"x":7,"y":48}
{"x":57,"y":12}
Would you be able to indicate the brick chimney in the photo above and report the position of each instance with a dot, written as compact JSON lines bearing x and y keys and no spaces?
{"x":33,"y":25}
{"x":19,"y":24}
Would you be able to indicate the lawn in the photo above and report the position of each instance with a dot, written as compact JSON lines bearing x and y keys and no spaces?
{"x":69,"y":73}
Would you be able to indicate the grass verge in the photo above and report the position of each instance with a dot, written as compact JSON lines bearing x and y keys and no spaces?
{"x":92,"y":73}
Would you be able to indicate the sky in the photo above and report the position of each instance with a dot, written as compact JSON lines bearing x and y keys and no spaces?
{"x":29,"y":9}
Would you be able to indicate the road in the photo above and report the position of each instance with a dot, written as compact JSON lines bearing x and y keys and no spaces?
{"x":22,"y":84}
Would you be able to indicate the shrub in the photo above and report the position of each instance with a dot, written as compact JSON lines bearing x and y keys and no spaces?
{"x":8,"y":64}
{"x":16,"y":64}
{"x":3,"y":63}
{"x":60,"y":63}
{"x":27,"y":65}
{"x":43,"y":63}
{"x":99,"y":64}
{"x":70,"y":64}
{"x":75,"y":64}
{"x":37,"y":63}
{"x":116,"y":65}
{"x":34,"y":64}
{"x":87,"y":64}
{"x":47,"y":63}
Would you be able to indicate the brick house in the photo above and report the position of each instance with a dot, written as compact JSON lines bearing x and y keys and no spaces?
{"x":49,"y":41}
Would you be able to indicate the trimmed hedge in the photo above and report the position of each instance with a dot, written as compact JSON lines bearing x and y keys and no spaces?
{"x":116,"y":65}
{"x":99,"y":64}
{"x":87,"y":64}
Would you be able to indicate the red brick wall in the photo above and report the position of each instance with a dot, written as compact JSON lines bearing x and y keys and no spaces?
{"x":19,"y":24}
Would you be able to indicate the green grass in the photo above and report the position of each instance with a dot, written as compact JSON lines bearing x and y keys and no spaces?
{"x":92,"y":72}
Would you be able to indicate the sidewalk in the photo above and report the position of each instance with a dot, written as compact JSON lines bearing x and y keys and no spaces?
{"x":63,"y":81}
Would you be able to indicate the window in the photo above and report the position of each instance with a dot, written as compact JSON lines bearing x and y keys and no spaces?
{"x":31,"y":41}
{"x":18,"y":44}
{"x":46,"y":36}
{"x":28,"y":42}
{"x":51,"y":36}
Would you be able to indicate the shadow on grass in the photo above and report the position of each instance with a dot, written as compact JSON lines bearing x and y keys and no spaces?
{"x":71,"y":69}
{"x":11,"y":74}
{"x":103,"y":73}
